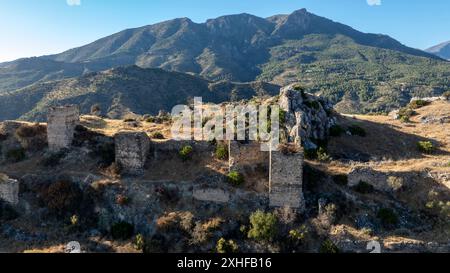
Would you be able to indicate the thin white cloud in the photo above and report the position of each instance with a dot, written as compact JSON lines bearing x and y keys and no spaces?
{"x":73,"y":2}
{"x":374,"y":2}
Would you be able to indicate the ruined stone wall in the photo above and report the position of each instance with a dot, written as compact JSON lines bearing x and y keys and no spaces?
{"x":246,"y":156}
{"x":287,"y":181}
{"x":211,"y":195}
{"x":61,"y":126}
{"x":388,"y":182}
{"x":131,"y":151}
{"x":9,"y":190}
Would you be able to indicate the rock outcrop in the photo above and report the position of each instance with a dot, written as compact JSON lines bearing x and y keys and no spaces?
{"x":308,"y":117}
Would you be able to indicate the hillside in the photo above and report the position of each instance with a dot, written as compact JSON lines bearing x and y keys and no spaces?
{"x":415,"y":202}
{"x":442,"y":50}
{"x":365,"y":72}
{"x":123,"y":91}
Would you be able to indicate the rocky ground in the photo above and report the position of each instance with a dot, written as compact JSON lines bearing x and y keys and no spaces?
{"x":368,"y":182}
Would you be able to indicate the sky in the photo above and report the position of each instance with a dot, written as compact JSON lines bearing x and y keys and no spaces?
{"x":39,"y":27}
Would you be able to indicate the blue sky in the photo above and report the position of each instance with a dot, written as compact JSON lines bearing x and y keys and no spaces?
{"x":38,"y":27}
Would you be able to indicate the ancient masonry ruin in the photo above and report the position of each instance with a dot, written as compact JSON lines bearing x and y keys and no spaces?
{"x":131,"y":151}
{"x":9,"y":190}
{"x":61,"y":126}
{"x":285,"y":172}
{"x":286,"y":180}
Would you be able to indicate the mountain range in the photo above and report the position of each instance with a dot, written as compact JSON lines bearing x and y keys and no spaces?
{"x":442,"y":50}
{"x":358,"y":72}
{"x":125,"y":90}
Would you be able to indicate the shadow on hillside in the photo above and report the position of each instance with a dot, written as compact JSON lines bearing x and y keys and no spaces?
{"x":382,"y":142}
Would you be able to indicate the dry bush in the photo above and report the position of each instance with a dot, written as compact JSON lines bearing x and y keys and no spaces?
{"x":289,"y":148}
{"x":168,"y":222}
{"x":29,"y":131}
{"x":212,"y":224}
{"x":62,"y":198}
{"x":32,"y":137}
{"x":175,"y":221}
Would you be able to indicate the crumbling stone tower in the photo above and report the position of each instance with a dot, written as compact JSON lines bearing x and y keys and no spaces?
{"x":9,"y":190}
{"x":61,"y":126}
{"x":131,"y":151}
{"x":286,"y":189}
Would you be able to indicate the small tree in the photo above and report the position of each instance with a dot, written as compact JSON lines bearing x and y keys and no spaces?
{"x":221,"y":152}
{"x":235,"y":178}
{"x":186,"y":153}
{"x":224,"y":246}
{"x":263,"y":226}
{"x":425,"y":147}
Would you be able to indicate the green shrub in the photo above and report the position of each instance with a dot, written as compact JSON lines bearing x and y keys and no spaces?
{"x":139,"y":242}
{"x":157,"y":135}
{"x":425,"y":147}
{"x":329,"y":247}
{"x":235,"y":178}
{"x":322,"y":155}
{"x":122,"y":230}
{"x":388,"y":217}
{"x":319,"y":154}
{"x":418,"y":104}
{"x":283,"y":117}
{"x":357,"y":131}
{"x":186,"y":153}
{"x":336,"y":131}
{"x":298,"y":235}
{"x":263,"y":226}
{"x":74,"y":220}
{"x":341,"y":179}
{"x":363,"y":187}
{"x":404,"y":119}
{"x":15,"y":155}
{"x":221,"y":152}
{"x":129,"y":120}
{"x":406,"y":113}
{"x":224,"y":246}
